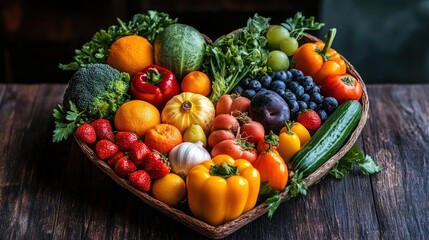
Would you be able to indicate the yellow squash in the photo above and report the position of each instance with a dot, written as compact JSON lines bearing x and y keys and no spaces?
{"x":188,"y":108}
{"x":221,"y":189}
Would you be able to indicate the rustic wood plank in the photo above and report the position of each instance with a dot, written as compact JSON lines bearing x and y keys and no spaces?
{"x":397,"y":136}
{"x":52,"y":191}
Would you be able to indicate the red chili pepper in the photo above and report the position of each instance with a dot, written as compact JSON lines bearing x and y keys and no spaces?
{"x":155,"y":85}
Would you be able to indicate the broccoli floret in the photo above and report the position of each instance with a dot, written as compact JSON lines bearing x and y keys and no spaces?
{"x":94,"y":91}
{"x":99,"y":89}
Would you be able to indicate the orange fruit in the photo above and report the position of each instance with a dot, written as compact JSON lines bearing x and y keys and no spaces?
{"x":163,"y":137}
{"x":130,"y":54}
{"x":170,"y":189}
{"x":196,"y":82}
{"x":136,"y":116}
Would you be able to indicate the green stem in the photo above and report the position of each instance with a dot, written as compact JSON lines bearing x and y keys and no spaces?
{"x":154,"y":76}
{"x":328,"y":43}
{"x":223,"y":170}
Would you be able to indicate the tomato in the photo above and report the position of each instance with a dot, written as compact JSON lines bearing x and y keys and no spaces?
{"x":289,"y":144}
{"x":223,"y":104}
{"x":252,"y":131}
{"x":298,"y":129}
{"x":240,"y":105}
{"x":232,"y":104}
{"x":226,"y":122}
{"x":272,"y":169}
{"x":236,"y":148}
{"x":218,"y":136}
{"x":342,"y":87}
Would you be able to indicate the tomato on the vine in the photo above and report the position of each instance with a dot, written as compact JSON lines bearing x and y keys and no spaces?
{"x":342,"y":87}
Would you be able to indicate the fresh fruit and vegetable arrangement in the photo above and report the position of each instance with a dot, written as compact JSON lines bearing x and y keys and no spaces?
{"x":231,"y":123}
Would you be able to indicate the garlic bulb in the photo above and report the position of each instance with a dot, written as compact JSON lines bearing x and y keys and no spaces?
{"x":186,"y":155}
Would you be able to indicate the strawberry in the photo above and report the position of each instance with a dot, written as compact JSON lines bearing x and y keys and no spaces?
{"x":138,"y":152}
{"x":125,"y":139}
{"x":103,"y":129}
{"x":124,"y":167}
{"x":113,"y":159}
{"x":156,"y":165}
{"x":310,"y":119}
{"x":105,"y":149}
{"x":140,"y":179}
{"x":86,"y":133}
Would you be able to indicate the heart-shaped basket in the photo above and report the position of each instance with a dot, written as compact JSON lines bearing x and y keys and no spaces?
{"x":216,"y":232}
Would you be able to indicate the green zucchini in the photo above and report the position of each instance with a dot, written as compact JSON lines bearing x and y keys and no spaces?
{"x":328,"y":139}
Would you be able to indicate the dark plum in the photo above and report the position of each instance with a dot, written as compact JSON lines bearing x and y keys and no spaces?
{"x":268,"y":108}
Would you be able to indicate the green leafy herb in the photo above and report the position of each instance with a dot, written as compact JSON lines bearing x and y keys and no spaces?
{"x":234,"y":56}
{"x":296,"y":186}
{"x":66,"y":121}
{"x":299,"y":24}
{"x":96,"y":51}
{"x":271,"y":196}
{"x":355,"y":156}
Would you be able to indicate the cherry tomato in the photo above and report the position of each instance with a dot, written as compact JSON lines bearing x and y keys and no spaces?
{"x":252,"y":131}
{"x":236,"y":148}
{"x":240,"y":105}
{"x":226,"y":122}
{"x":218,"y":136}
{"x":342,"y":87}
{"x":223,"y":104}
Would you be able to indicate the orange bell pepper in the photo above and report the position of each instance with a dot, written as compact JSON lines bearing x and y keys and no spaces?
{"x":319,"y":60}
{"x":221,"y":189}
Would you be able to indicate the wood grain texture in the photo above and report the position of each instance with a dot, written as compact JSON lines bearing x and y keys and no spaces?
{"x":52,"y":191}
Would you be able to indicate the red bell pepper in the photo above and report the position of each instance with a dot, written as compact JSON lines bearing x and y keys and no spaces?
{"x":155,"y":85}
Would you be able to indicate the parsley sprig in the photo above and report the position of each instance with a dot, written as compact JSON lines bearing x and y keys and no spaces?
{"x":234,"y":56}
{"x":299,"y":24}
{"x":355,"y":157}
{"x":66,"y":121}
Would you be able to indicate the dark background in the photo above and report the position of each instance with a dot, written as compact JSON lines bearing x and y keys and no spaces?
{"x":384,"y":40}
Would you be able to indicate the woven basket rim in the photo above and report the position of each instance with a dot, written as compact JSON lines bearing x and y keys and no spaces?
{"x":221,"y":231}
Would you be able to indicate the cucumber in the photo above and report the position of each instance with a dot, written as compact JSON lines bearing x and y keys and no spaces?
{"x":328,"y":139}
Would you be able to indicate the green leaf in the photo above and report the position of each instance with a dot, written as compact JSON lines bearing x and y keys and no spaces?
{"x":369,"y":166}
{"x":271,"y":196}
{"x":273,"y":204}
{"x":296,"y":186}
{"x":66,"y":122}
{"x":299,"y":24}
{"x":355,"y":156}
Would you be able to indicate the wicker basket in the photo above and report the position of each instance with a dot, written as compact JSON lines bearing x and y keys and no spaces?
{"x":217,"y":232}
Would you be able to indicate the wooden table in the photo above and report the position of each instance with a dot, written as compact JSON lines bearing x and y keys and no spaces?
{"x":52,"y":191}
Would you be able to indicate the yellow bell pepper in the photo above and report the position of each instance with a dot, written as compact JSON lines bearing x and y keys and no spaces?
{"x":221,"y":189}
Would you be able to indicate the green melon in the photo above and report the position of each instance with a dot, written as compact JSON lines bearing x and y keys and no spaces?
{"x":180,"y":48}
